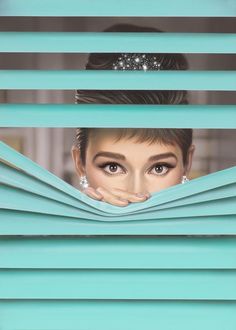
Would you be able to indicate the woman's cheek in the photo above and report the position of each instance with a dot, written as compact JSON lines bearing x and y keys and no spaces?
{"x":97,"y":178}
{"x":175,"y":176}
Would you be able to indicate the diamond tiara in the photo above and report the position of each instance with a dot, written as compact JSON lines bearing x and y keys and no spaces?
{"x":136,"y":61}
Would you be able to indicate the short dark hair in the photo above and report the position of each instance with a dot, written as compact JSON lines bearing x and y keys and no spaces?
{"x":104,"y":61}
{"x":181,"y":137}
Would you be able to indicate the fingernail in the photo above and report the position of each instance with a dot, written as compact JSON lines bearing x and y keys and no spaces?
{"x":123,"y":200}
{"x":98,"y":193}
{"x":140,"y":195}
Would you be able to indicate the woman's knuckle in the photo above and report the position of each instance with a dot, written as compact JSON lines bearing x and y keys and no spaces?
{"x":100,"y":189}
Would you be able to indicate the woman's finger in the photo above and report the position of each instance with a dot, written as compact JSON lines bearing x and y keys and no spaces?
{"x":111,"y":198}
{"x":131,"y":197}
{"x":91,"y":192}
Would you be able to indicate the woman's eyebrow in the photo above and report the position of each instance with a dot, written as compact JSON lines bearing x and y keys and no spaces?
{"x":109,"y":154}
{"x":164,"y":155}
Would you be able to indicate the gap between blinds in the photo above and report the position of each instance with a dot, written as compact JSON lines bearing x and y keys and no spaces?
{"x":95,"y":115}
{"x":50,"y":264}
{"x":195,"y":116}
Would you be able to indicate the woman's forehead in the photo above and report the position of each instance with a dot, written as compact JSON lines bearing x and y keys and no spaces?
{"x":137,"y":135}
{"x":111,"y":140}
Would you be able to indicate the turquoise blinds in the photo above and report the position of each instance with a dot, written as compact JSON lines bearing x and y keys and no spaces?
{"x":182,"y":8}
{"x":68,"y":262}
{"x":28,"y":188}
{"x":195,"y":116}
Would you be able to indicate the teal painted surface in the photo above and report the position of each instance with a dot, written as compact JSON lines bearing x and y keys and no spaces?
{"x":116,"y":252}
{"x":18,"y":160}
{"x":201,"y":8}
{"x":119,"y":284}
{"x":86,"y":42}
{"x":220,"y":179}
{"x":91,"y":277}
{"x":61,"y":282}
{"x":14,"y":178}
{"x":19,"y":192}
{"x":118,"y":115}
{"x":50,"y":196}
{"x":12,"y":199}
{"x":116,"y":315}
{"x":119,"y":80}
{"x":25,"y":223}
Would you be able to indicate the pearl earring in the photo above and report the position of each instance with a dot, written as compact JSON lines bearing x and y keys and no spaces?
{"x":83,"y":182}
{"x":184,"y":179}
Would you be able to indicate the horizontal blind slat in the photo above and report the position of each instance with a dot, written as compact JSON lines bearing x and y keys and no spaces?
{"x":221,"y":182}
{"x":23,"y":223}
{"x":116,"y":315}
{"x":168,"y":252}
{"x":25,"y":181}
{"x":117,"y":115}
{"x":182,"y":8}
{"x":118,"y":284}
{"x":19,"y":200}
{"x":119,"y":80}
{"x":70,"y":42}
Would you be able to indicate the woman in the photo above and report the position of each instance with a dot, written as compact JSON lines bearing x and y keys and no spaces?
{"x":120,"y":166}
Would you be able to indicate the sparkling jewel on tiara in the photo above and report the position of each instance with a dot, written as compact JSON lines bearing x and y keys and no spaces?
{"x":131,"y":61}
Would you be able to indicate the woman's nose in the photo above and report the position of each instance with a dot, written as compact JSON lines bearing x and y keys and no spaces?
{"x":137,"y":184}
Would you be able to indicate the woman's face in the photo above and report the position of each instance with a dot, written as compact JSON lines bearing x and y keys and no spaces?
{"x":130,"y":165}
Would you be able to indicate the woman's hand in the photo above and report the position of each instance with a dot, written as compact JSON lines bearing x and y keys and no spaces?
{"x":114,"y":196}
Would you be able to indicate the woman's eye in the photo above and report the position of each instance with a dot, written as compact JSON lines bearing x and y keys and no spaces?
{"x":160,"y":169}
{"x":113,"y":168}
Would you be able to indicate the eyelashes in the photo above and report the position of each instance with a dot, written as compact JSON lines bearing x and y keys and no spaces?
{"x":166,"y":165}
{"x":115,"y":168}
